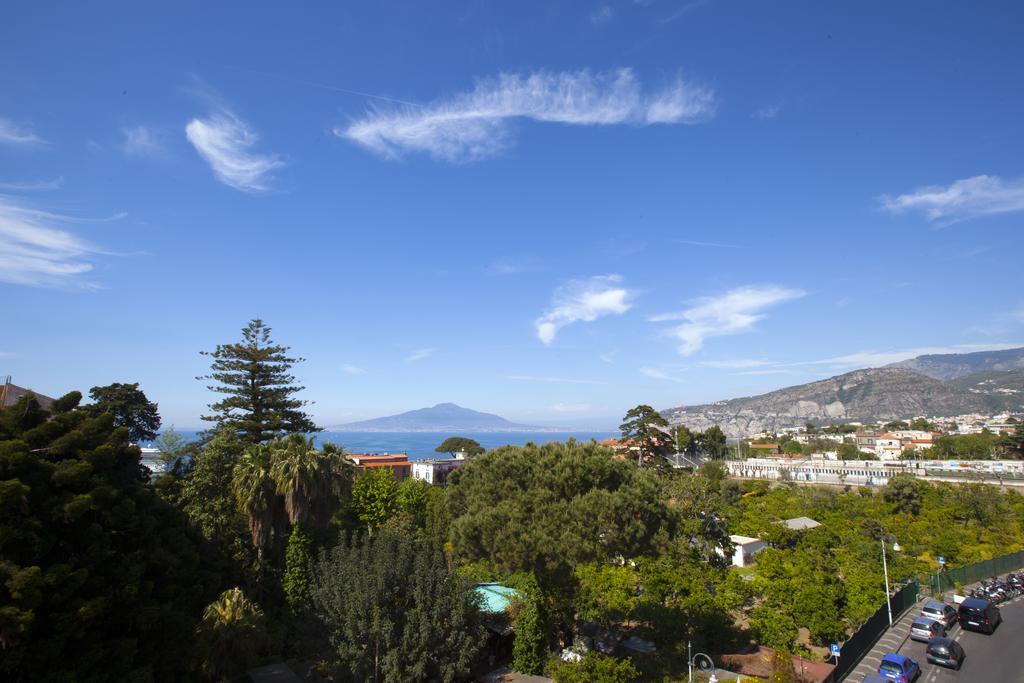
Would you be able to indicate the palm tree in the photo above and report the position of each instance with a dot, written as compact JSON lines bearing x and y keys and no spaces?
{"x":256,"y":494}
{"x":232,"y":636}
{"x":310,"y":480}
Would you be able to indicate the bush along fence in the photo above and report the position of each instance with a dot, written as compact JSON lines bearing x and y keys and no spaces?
{"x":861,"y":642}
{"x":947,"y":579}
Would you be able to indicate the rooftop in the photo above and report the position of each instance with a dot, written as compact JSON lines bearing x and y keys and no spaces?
{"x":801,"y":523}
{"x":495,"y":597}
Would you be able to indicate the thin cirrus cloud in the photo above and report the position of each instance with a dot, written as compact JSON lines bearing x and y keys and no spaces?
{"x":655,"y":373}
{"x":36,"y":251}
{"x":477,"y":124}
{"x":32,"y":185}
{"x":225,"y":142}
{"x":583,"y":301}
{"x":352,"y":370}
{"x":734,"y":312}
{"x":419,"y":354}
{"x":141,"y":141}
{"x":19,"y":136}
{"x":980,"y":195}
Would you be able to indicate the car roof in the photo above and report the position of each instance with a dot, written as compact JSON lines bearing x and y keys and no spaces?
{"x":893,"y":657}
{"x":875,"y":678}
{"x":926,"y":621}
{"x":975,"y":603}
{"x":939,"y":640}
{"x":935,"y":604}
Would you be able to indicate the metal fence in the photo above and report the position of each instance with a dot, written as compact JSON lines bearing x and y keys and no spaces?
{"x":861,"y":642}
{"x":946,"y":579}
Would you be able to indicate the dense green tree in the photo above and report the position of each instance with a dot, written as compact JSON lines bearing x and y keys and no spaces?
{"x":413,"y":498}
{"x":394,"y":610}
{"x":1012,"y":445}
{"x":895,"y":425}
{"x":375,"y":497}
{"x":297,"y":560}
{"x":458,"y":444}
{"x":922,"y":424}
{"x":254,"y":375}
{"x":608,"y":593}
{"x":530,"y":644}
{"x":595,"y":667}
{"x":712,"y":441}
{"x":792,"y":447}
{"x":640,"y":429}
{"x":904,"y":493}
{"x":100,"y":579}
{"x":129,"y":407}
{"x":684,"y":440}
{"x":545,"y":509}
{"x":981,"y":446}
{"x":232,"y":637}
{"x":174,"y":448}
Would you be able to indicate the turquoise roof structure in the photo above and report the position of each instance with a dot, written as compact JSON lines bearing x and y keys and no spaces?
{"x":494,"y":597}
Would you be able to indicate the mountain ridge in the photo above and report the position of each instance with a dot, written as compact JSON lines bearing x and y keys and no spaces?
{"x":442,"y":417}
{"x":870,"y":395}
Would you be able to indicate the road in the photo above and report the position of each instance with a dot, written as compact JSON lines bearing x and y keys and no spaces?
{"x":999,"y":657}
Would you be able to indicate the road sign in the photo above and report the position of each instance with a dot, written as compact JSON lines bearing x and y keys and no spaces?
{"x":834,"y":648}
{"x":942,"y":560}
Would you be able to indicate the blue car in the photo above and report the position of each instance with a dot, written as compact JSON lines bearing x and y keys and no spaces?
{"x":899,"y":668}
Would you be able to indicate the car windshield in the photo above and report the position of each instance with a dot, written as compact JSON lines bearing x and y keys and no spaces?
{"x":891,"y":666}
{"x":938,"y":649}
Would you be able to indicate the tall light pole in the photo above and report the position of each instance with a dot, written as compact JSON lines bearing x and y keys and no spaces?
{"x":885,"y":571}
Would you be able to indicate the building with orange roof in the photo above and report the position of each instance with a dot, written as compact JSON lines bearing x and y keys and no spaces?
{"x":398,"y":463}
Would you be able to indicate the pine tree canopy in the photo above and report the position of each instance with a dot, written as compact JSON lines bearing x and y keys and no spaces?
{"x":254,"y":375}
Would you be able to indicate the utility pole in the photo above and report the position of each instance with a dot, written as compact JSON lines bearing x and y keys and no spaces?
{"x":689,"y":663}
{"x":885,"y":570}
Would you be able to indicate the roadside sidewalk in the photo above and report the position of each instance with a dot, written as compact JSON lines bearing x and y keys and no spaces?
{"x":891,"y":641}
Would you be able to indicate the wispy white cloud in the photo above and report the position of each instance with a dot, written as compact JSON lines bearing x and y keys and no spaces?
{"x":476,"y":125}
{"x":570,"y":407}
{"x":768,"y":112}
{"x":583,"y":300}
{"x":13,"y":134}
{"x":602,"y":15}
{"x":36,"y":251}
{"x":352,"y":370}
{"x":552,"y":380}
{"x":32,"y":185}
{"x":225,"y":142}
{"x":420,"y":354}
{"x":980,"y":195}
{"x":718,"y":245}
{"x":141,"y":141}
{"x":655,"y":373}
{"x":683,"y":9}
{"x":734,"y":312}
{"x":609,"y":357}
{"x":735,"y":364}
{"x":875,"y":358}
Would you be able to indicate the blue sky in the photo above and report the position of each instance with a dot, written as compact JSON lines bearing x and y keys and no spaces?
{"x":553,"y":211}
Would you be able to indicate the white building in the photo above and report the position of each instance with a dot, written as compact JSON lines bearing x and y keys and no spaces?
{"x":436,"y":471}
{"x":746,"y":549}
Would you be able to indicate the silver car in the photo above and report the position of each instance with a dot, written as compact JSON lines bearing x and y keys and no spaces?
{"x":939,"y":611}
{"x":924,"y":629}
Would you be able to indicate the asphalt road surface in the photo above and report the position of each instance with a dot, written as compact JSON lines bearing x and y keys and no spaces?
{"x":998,"y":657}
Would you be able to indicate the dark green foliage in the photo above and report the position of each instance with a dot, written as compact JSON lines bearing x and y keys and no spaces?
{"x":412,"y":497}
{"x":595,"y":668}
{"x":458,"y":444}
{"x":395,"y":611}
{"x":922,"y":424}
{"x":254,"y":376}
{"x":712,"y":442}
{"x":640,"y":429}
{"x":101,"y":579}
{"x":904,"y":493}
{"x":1012,"y":445}
{"x":129,"y":407}
{"x":232,"y":637}
{"x":295,"y":582}
{"x":530,"y":646}
{"x":545,"y":509}
{"x":981,"y":446}
{"x":375,"y":497}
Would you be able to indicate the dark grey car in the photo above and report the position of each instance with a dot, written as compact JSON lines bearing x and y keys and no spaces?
{"x":945,"y":652}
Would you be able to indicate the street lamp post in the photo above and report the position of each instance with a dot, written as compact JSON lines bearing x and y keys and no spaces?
{"x":885,"y":571}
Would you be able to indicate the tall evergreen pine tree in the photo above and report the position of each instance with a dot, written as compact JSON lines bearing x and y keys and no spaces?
{"x":254,"y":375}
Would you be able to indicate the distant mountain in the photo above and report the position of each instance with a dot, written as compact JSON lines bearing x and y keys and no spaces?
{"x":444,"y":417}
{"x":871,"y":395}
{"x":949,"y":366}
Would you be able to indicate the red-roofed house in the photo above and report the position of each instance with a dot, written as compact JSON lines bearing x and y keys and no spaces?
{"x":398,"y":463}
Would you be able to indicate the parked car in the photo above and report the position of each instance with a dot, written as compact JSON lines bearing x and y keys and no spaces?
{"x":899,"y":668}
{"x":874,"y":678}
{"x":945,"y":652}
{"x":940,"y":611}
{"x":923,"y":629}
{"x":979,"y":615}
